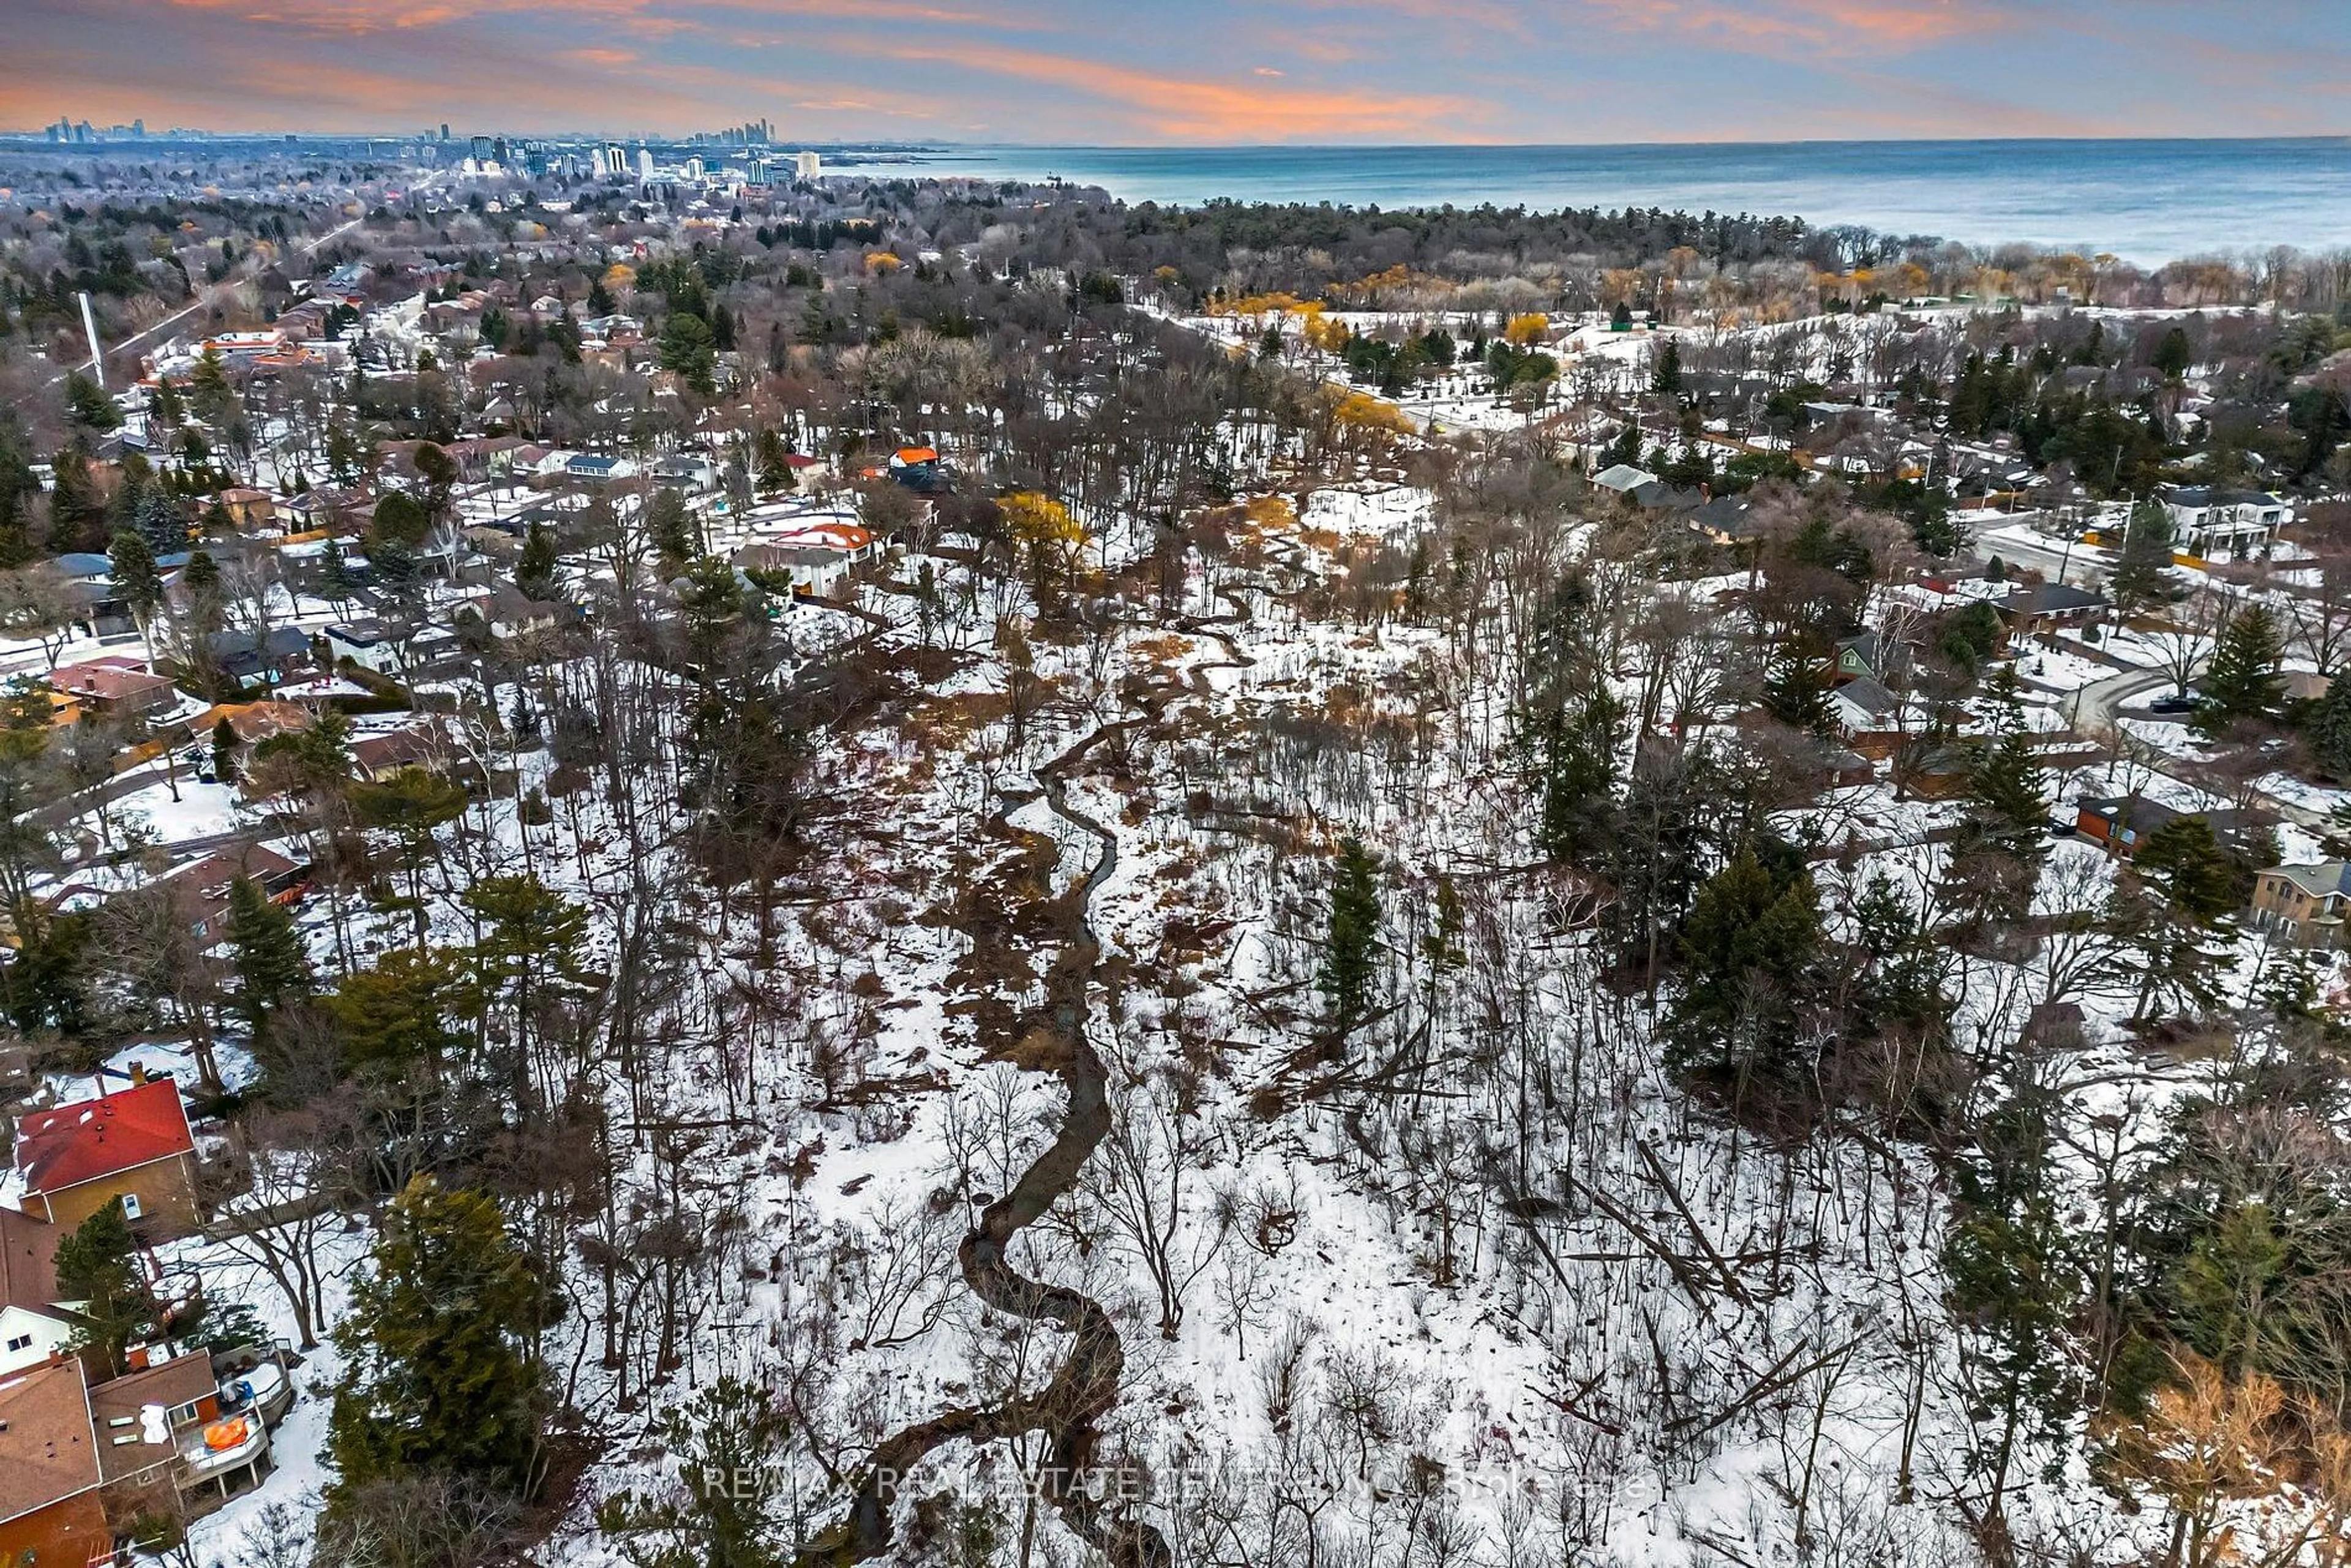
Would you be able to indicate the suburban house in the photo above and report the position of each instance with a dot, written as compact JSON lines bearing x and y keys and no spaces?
{"x":2040,"y":609}
{"x":320,"y":508}
{"x":510,"y":613}
{"x":2302,"y":905}
{"x":1937,"y":772}
{"x":251,"y":723}
{"x":31,"y":1331}
{"x":368,"y":643}
{"x":853,"y":541}
{"x":1726,"y":519}
{"x":34,"y":1336}
{"x":692,"y":470}
{"x":2208,"y":521}
{"x":249,"y":508}
{"x":813,"y":570}
{"x":131,"y":1147}
{"x":163,"y":1426}
{"x":115,"y":686}
{"x":1621,"y":479}
{"x":201,"y":886}
{"x":423,"y":744}
{"x":245,"y":348}
{"x":919,"y":469}
{"x":2122,"y":823}
{"x":50,"y":1476}
{"x":1860,"y":657}
{"x":242,"y":656}
{"x":1864,"y":708}
{"x":589,"y":466}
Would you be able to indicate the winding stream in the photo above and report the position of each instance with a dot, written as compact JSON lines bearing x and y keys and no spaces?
{"x":1086,"y":1385}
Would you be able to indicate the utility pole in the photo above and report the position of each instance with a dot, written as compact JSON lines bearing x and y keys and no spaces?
{"x":89,"y":331}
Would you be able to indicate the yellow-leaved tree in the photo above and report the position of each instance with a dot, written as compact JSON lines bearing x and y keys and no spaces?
{"x":1052,"y":539}
{"x":1529,"y":330}
{"x":1327,"y":335}
{"x":1362,"y":411}
{"x":2248,"y":1474}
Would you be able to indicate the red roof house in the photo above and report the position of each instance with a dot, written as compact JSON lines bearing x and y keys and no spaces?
{"x":131,"y":1147}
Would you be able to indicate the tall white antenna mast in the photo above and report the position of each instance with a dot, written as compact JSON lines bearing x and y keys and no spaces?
{"x":89,"y":331}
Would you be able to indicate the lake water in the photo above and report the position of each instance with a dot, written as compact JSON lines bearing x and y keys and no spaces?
{"x":2148,"y":201}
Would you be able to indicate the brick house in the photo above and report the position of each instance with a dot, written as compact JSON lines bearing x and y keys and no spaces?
{"x":115,"y":685}
{"x":49,"y":1478}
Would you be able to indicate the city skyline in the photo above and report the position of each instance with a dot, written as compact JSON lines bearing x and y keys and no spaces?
{"x":1218,"y":72}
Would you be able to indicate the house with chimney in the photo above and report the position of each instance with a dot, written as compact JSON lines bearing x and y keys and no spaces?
{"x":201,"y":886}
{"x":116,"y":687}
{"x":130,"y":1148}
{"x":162,"y":1427}
{"x":34,"y":1329}
{"x":50,"y":1511}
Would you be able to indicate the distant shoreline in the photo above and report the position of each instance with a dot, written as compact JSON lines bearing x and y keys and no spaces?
{"x":2147,"y":200}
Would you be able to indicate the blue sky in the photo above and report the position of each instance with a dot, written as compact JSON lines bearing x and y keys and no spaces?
{"x":1203,"y":71}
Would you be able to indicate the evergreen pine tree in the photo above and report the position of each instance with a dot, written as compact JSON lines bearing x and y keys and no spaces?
{"x":2175,"y":907}
{"x":535,"y":572}
{"x":1579,"y":775}
{"x":733,"y":1428}
{"x":1796,"y":692}
{"x":76,"y":509}
{"x":2009,"y":787}
{"x":1751,"y":941}
{"x":439,"y":1373}
{"x":96,"y":1269}
{"x":271,"y":967}
{"x":2173,"y":355}
{"x":335,"y":579}
{"x":2327,"y":728}
{"x":135,"y":577}
{"x":1350,"y":955}
{"x":202,"y":574}
{"x":91,"y":409}
{"x":161,"y":521}
{"x":670,"y":530}
{"x":1625,"y":449}
{"x":2241,"y":682}
{"x":400,"y":518}
{"x":2143,"y":565}
{"x":1666,"y":379}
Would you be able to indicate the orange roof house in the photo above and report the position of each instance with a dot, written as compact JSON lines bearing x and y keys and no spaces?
{"x":252,"y":723}
{"x":130,"y":1147}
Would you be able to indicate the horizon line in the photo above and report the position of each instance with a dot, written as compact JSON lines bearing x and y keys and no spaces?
{"x":37,"y":134}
